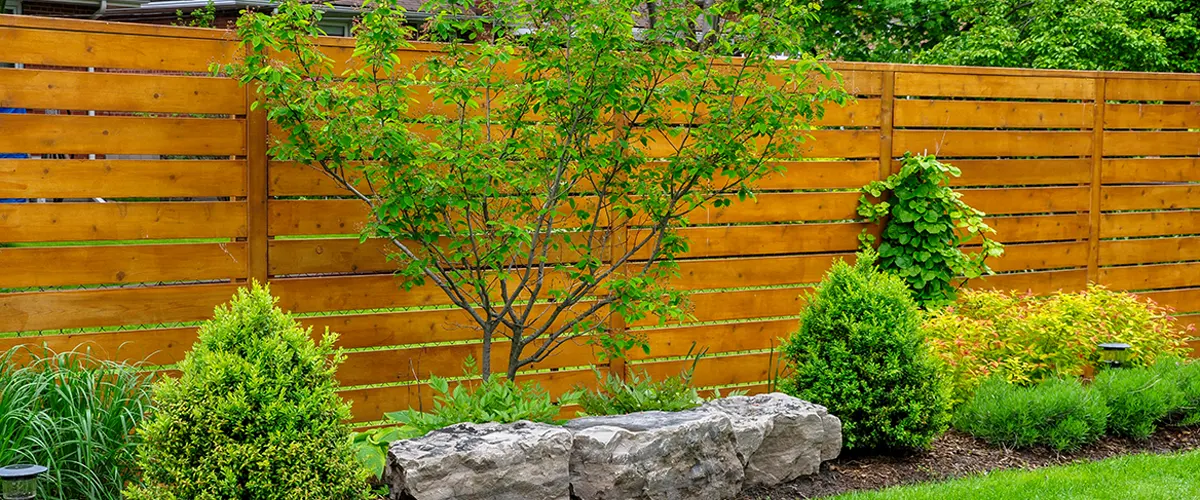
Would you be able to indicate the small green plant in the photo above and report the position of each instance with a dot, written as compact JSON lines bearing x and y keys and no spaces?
{"x":1059,"y":413}
{"x":1028,"y":339}
{"x":1185,"y":375}
{"x":203,"y":17}
{"x":254,"y":414}
{"x":926,"y":224}
{"x":1138,"y":399}
{"x":75,"y":414}
{"x":859,"y":352}
{"x":634,"y":393}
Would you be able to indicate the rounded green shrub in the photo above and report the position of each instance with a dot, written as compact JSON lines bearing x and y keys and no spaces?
{"x":859,"y":352}
{"x":1185,"y":375}
{"x":1059,"y":413}
{"x":1138,"y":399}
{"x":254,"y":414}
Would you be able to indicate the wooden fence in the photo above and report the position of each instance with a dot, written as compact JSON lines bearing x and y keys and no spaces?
{"x":160,"y":201}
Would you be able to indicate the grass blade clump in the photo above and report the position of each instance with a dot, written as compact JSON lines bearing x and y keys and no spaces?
{"x":1059,"y":413}
{"x":1138,"y":399}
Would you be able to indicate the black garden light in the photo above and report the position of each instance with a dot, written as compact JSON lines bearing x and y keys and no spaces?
{"x":1114,"y":354}
{"x":19,"y":482}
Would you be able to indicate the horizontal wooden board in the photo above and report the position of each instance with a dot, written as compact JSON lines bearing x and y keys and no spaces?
{"x":76,"y":134}
{"x":301,"y":217}
{"x":990,"y":114}
{"x":1182,"y":300}
{"x":1022,"y":172}
{"x":1144,"y":143}
{"x":1153,"y":116}
{"x":754,"y":271}
{"x":1038,"y":283}
{"x":141,"y":347}
{"x":1150,"y":197}
{"x":781,"y":207}
{"x":1141,"y":170}
{"x":1031,"y":228}
{"x":87,"y":265}
{"x":717,"y":370}
{"x":1150,"y":276}
{"x":950,"y":143}
{"x":78,"y":90}
{"x":967,"y":85}
{"x":765,"y":240}
{"x":1035,"y":256}
{"x":26,"y":311}
{"x":857,"y":113}
{"x":815,"y":144}
{"x":352,"y":293}
{"x":1028,"y":200}
{"x":1134,"y":89}
{"x":1149,"y":250}
{"x":57,"y":47}
{"x":33,"y":222}
{"x":1149,"y":224}
{"x":418,"y":363}
{"x":716,"y":339}
{"x":27,"y":178}
{"x":738,"y":304}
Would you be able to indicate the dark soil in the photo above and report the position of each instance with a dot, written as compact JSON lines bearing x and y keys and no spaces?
{"x":956,"y":455}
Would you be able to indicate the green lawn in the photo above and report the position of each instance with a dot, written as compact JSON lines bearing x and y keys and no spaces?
{"x":1124,"y":478}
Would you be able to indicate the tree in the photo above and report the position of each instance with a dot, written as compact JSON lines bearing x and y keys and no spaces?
{"x":539,"y":176}
{"x":880,"y":30}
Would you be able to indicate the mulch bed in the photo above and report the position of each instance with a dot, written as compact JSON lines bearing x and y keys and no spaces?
{"x":956,"y":455}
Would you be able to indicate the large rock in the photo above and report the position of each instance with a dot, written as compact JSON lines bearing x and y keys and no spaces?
{"x":654,"y":455}
{"x":519,"y":461}
{"x":779,"y":437}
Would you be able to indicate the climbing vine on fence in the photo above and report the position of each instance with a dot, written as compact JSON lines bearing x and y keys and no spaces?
{"x":926,"y":223}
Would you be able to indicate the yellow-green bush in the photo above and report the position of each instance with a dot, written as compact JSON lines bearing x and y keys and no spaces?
{"x":1028,"y":339}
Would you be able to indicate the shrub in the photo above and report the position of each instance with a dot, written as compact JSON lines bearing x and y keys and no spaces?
{"x":1137,"y":399}
{"x":1059,"y":413}
{"x":1185,"y":375}
{"x":254,"y":414}
{"x":1027,"y":339}
{"x":74,"y":414}
{"x":859,"y":353}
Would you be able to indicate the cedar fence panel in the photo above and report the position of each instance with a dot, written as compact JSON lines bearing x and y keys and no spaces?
{"x":158,"y":200}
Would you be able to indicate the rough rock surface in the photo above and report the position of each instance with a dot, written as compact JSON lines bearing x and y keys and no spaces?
{"x":519,"y":461}
{"x":779,"y":437}
{"x":655,"y":455}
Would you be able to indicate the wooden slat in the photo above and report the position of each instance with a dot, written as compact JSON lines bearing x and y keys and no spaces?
{"x":78,"y":90}
{"x":1036,"y":256}
{"x":745,"y":336}
{"x":56,"y":47}
{"x":418,"y":363}
{"x":30,"y":222}
{"x":984,"y":114}
{"x":966,"y":85}
{"x":1150,"y":276}
{"x":951,"y":143}
{"x":144,"y":347}
{"x":396,"y":328}
{"x":1183,"y":300}
{"x":858,"y":113}
{"x":717,"y":370}
{"x":1038,"y":283}
{"x":815,"y":144}
{"x":1150,"y":197}
{"x":1133,"y":89}
{"x":765,"y":240}
{"x":347,"y":293}
{"x":1151,"y":143}
{"x":69,"y":134}
{"x":86,"y":265}
{"x":1157,"y":116}
{"x":759,"y":271}
{"x":1149,"y":250}
{"x":1149,"y":224}
{"x":1027,"y":200}
{"x":1039,"y":228}
{"x":781,"y":207}
{"x":739,"y":304}
{"x":121,"y":178}
{"x":110,"y":307}
{"x":300,"y":217}
{"x":1134,"y":170}
{"x":1022,"y":172}
{"x":862,"y":82}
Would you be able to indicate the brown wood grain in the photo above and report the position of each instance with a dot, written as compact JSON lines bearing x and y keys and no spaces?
{"x":1022,"y":172}
{"x":1038,"y":283}
{"x":88,"y":265}
{"x":35,"y":222}
{"x":1184,"y":300}
{"x":1151,"y":276}
{"x":718,"y":370}
{"x":719,"y":338}
{"x":1149,"y":250}
{"x":1145,"y":89}
{"x":1179,"y":222}
{"x":1146,"y":143}
{"x":26,"y":178}
{"x":1153,"y":116}
{"x":990,"y":114}
{"x":25,"y":311}
{"x":950,"y":143}
{"x":1037,"y":256}
{"x":160,"y":346}
{"x":80,"y":90}
{"x":1150,"y":197}
{"x":58,"y":47}
{"x":725,"y":241}
{"x":754,"y":271}
{"x":1031,"y":228}
{"x":72,"y":134}
{"x":1141,"y":170}
{"x":968,"y":85}
{"x":997,"y":201}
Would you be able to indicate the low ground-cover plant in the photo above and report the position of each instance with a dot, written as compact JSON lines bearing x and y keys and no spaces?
{"x":1138,"y":399}
{"x":1027,"y":339}
{"x":75,"y":414}
{"x":1186,"y":377}
{"x":859,"y":352}
{"x":254,"y":414}
{"x":1059,"y":412}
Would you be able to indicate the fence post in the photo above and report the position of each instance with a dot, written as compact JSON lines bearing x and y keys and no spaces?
{"x":1093,"y":264}
{"x":886,"y":121}
{"x":256,"y":187}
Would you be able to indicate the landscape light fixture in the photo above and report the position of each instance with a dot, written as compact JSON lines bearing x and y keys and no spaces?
{"x":1114,"y":354}
{"x":19,"y":481}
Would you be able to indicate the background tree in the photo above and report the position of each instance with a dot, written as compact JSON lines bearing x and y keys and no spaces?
{"x":538,"y":176}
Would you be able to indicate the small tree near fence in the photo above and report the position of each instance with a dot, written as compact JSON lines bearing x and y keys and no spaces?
{"x":539,"y":175}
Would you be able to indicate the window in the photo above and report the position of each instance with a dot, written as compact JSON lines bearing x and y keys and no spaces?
{"x":336,"y":28}
{"x":12,"y":7}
